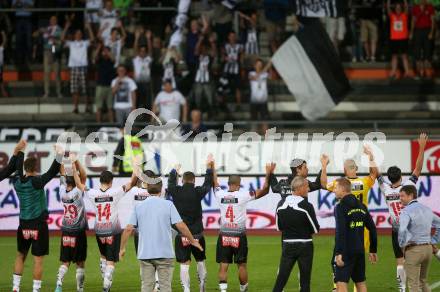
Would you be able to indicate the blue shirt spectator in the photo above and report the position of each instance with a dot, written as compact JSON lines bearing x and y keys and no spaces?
{"x":416,"y":221}
{"x":153,"y":219}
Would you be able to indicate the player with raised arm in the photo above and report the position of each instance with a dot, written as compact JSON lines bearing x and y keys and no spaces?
{"x":360,"y":186}
{"x":74,"y":225}
{"x":391,"y":190}
{"x":187,"y":200}
{"x":33,"y":230}
{"x":232,"y":240}
{"x":107,"y":226}
{"x":11,"y":167}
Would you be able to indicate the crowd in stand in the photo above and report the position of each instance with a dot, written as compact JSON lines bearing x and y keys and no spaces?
{"x":128,"y":54}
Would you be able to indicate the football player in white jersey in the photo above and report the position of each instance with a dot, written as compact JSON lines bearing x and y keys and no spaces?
{"x":232,"y":240}
{"x":107,"y":226}
{"x":390,"y":190}
{"x":74,"y":226}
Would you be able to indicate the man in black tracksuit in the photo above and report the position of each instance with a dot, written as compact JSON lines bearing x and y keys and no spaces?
{"x":298,"y":168}
{"x":187,"y":199}
{"x":297,"y":221}
{"x":351,"y":218}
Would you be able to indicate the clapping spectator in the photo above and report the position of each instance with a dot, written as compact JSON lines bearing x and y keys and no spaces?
{"x":78,"y":62}
{"x":422,"y":31}
{"x":251,"y":46}
{"x":116,"y":41}
{"x":142,"y":70}
{"x":259,"y":92}
{"x":196,"y":125}
{"x":108,"y":18}
{"x":124,"y":92}
{"x":2,"y":59}
{"x":233,"y":58}
{"x":23,"y":30}
{"x":170,"y":104}
{"x":206,"y":51}
{"x":105,"y":74}
{"x":398,"y":36}
{"x":52,"y":55}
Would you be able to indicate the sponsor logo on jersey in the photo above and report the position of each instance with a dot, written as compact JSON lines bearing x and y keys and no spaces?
{"x":230,"y":241}
{"x":140,"y":197}
{"x":69,"y":241}
{"x":227,"y":200}
{"x":103,"y":199}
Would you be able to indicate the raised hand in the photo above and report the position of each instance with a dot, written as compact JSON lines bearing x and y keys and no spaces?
{"x":325,"y":160}
{"x":210,"y":161}
{"x":270,"y":167}
{"x":423,"y":138}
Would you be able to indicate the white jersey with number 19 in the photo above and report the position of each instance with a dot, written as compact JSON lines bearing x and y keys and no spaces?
{"x":106,"y":206}
{"x":233,"y":210}
{"x":392,"y":197}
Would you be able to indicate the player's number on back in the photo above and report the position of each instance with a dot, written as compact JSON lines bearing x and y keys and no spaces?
{"x":397,"y":207}
{"x":104,"y":212}
{"x":70,"y":211}
{"x":230,"y":214}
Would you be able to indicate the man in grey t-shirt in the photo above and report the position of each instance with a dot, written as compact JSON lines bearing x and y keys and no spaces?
{"x":153,"y":219}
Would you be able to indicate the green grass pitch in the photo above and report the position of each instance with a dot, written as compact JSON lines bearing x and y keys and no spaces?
{"x":264,"y":254}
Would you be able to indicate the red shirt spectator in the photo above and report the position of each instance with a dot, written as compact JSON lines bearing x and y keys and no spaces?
{"x":423,"y":15}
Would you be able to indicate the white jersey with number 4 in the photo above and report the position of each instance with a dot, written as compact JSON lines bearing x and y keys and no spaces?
{"x":106,"y":207}
{"x":392,"y":197}
{"x":233,"y":210}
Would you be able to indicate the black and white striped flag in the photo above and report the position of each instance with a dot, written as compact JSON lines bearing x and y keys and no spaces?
{"x":311,"y":69}
{"x":320,"y":8}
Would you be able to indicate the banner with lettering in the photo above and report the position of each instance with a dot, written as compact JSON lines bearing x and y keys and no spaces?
{"x":261,"y":213}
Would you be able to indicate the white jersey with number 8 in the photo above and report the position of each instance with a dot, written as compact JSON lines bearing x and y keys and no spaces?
{"x":233,"y":210}
{"x":392,"y":197}
{"x":106,"y":207}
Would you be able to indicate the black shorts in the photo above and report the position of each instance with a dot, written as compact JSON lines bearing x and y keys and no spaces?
{"x":398,"y":253}
{"x":399,"y":47}
{"x":109,"y":246}
{"x":232,"y":249}
{"x":354,"y":268}
{"x":184,"y":249}
{"x":73,"y":246}
{"x":35,"y":234}
{"x":422,"y":44}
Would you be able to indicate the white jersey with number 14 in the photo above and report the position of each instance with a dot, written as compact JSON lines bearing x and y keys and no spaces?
{"x":233,"y":210}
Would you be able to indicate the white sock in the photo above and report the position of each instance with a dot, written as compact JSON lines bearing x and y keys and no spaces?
{"x":61,"y":272}
{"x":102,"y":266}
{"x":244,"y":288}
{"x":16,"y":279}
{"x":156,"y":276}
{"x":223,"y":287}
{"x":108,"y":277}
{"x":401,"y":278}
{"x":37,"y":286}
{"x":437,"y":255}
{"x":201,"y":272}
{"x":80,"y":276}
{"x":184,"y":277}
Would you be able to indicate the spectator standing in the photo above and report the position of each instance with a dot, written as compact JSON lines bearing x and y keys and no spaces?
{"x":124,"y":92}
{"x":170,"y":104}
{"x":157,"y":67}
{"x":192,"y":39}
{"x":399,"y":37}
{"x":357,"y":53}
{"x":116,"y":42}
{"x":171,"y":59}
{"x":52,"y":56}
{"x":108,"y":18}
{"x":422,"y":32}
{"x":153,"y":219}
{"x":368,"y":14}
{"x":93,"y":16}
{"x":142,"y":71}
{"x":105,"y":73}
{"x":222,"y":22}
{"x":276,"y":13}
{"x":335,"y":27}
{"x":250,"y":38}
{"x":233,"y":58}
{"x":2,"y":62}
{"x":415,"y":223}
{"x":23,"y":30}
{"x":259,"y":92}
{"x":196,"y":126}
{"x":206,"y":51}
{"x":78,"y":62}
{"x":296,"y":219}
